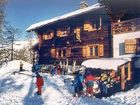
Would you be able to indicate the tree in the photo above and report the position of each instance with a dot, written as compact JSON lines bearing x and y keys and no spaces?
{"x":31,"y":41}
{"x":8,"y":37}
{"x":2,"y":14}
{"x":2,"y":5}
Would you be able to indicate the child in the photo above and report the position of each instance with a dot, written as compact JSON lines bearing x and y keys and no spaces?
{"x":78,"y":83}
{"x":39,"y":83}
{"x":89,"y":84}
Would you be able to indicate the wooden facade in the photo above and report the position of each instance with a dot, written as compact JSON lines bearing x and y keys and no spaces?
{"x":78,"y":38}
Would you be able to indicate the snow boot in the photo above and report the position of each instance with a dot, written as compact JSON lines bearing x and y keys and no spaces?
{"x":38,"y":93}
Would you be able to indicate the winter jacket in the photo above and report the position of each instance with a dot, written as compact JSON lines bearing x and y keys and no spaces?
{"x":89,"y":79}
{"x":78,"y":80}
{"x":39,"y":81}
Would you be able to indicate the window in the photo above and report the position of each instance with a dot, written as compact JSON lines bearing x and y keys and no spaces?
{"x":61,"y":32}
{"x":138,"y":46}
{"x":88,"y":26}
{"x":93,"y":50}
{"x":45,"y":37}
{"x":59,"y":53}
{"x":130,"y":46}
{"x":63,"y":52}
{"x":77,"y":31}
{"x":48,"y":35}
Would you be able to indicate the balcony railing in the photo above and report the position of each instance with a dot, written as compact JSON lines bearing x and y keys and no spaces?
{"x":47,"y":43}
{"x":65,"y":40}
{"x":71,"y":39}
{"x":59,"y":41}
{"x":131,"y":25}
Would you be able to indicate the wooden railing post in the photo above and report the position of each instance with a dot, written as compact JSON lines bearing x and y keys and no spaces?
{"x":122,"y":77}
{"x":129,"y":71}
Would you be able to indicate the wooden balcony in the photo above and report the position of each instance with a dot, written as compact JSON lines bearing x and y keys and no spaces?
{"x":59,"y":41}
{"x":95,"y":36}
{"x":71,"y":39}
{"x":47,"y":43}
{"x":127,"y":26}
{"x":65,"y":40}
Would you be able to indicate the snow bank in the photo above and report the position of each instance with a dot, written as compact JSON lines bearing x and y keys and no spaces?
{"x":131,"y":97}
{"x":105,"y":63}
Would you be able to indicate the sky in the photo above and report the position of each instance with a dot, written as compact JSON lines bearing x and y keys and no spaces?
{"x":23,"y":13}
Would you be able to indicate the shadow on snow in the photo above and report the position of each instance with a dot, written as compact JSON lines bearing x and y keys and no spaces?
{"x":9,"y":84}
{"x":32,"y":98}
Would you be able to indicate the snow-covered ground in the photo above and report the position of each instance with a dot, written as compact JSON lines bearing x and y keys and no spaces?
{"x":19,"y":89}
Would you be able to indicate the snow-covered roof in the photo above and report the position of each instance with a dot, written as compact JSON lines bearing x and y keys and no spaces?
{"x":105,"y":63}
{"x":68,"y":15}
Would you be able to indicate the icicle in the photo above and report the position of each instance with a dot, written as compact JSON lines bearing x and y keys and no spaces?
{"x":74,"y":66}
{"x":100,"y":24}
{"x":95,"y":27}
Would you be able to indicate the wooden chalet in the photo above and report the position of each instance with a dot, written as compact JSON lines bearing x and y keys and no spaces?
{"x":78,"y":35}
{"x":95,"y":32}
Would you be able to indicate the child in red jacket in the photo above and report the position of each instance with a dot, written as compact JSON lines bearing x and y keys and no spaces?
{"x":39,"y":83}
{"x":89,"y":84}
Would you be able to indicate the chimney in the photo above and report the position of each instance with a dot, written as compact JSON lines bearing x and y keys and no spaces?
{"x":83,"y":4}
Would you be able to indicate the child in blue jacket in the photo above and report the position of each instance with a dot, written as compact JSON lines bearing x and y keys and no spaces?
{"x":78,"y":83}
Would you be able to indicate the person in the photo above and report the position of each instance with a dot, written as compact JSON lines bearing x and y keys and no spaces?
{"x":21,"y":66}
{"x":36,"y":68}
{"x":53,"y":70}
{"x":78,"y":83}
{"x":89,"y":79}
{"x":58,"y":70}
{"x":39,"y":83}
{"x":103,"y":84}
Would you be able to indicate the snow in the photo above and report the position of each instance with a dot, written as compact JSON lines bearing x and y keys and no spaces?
{"x":20,"y":89}
{"x":68,"y":15}
{"x":14,"y":66}
{"x":131,"y":97}
{"x":105,"y":63}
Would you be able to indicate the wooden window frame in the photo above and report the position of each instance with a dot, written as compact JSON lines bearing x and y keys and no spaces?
{"x":63,"y":52}
{"x":86,"y":51}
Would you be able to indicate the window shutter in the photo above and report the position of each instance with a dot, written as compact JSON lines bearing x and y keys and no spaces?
{"x":87,"y":51}
{"x":101,"y":50}
{"x":57,"y":53}
{"x":130,"y":46}
{"x":77,"y":31}
{"x":53,"y":53}
{"x":68,"y":52}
